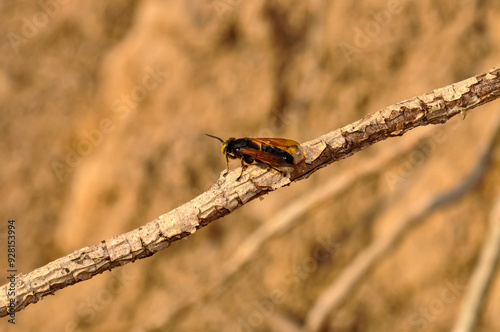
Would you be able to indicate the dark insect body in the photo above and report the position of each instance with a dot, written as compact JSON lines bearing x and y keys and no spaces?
{"x":275,"y":152}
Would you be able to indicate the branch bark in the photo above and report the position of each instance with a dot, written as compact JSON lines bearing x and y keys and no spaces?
{"x":227,"y":194}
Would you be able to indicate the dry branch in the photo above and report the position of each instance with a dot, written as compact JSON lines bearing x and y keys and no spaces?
{"x":227,"y":194}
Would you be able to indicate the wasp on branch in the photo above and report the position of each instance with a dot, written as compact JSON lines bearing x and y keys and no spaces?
{"x":277,"y":153}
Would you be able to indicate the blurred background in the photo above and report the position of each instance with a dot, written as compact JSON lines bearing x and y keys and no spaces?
{"x":104,"y":106}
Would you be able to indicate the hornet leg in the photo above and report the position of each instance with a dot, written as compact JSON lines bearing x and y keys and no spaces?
{"x":243,"y":168}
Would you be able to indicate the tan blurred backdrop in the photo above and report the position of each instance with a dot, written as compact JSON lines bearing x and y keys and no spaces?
{"x":104,"y":106}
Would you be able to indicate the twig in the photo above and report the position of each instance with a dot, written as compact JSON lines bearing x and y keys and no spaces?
{"x":335,"y":295}
{"x":227,"y":194}
{"x":482,"y":276}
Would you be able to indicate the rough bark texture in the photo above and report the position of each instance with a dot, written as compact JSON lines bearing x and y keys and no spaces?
{"x":227,"y":194}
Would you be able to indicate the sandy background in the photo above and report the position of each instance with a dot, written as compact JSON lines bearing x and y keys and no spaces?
{"x":103,"y":109}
